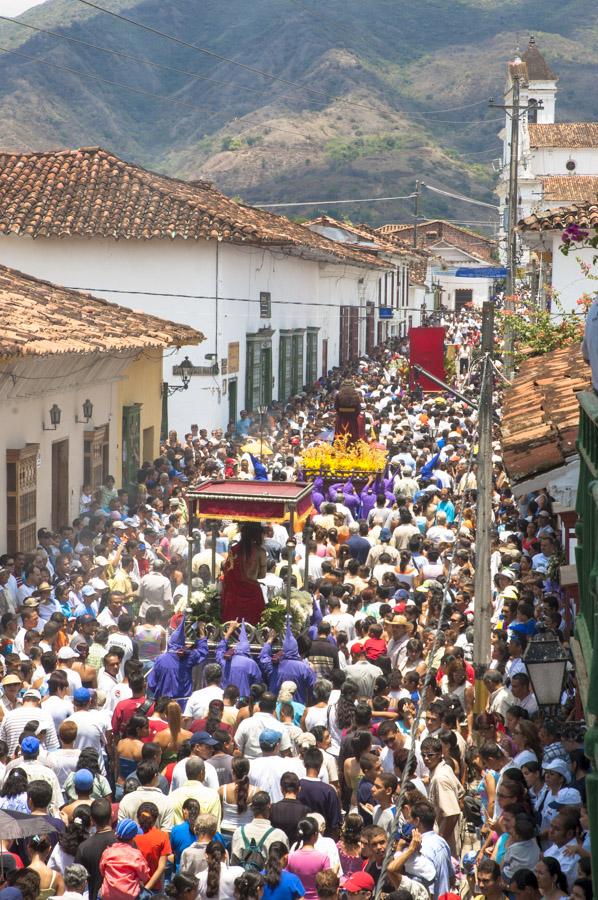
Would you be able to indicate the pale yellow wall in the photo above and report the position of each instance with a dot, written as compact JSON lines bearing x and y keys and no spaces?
{"x":143,"y":380}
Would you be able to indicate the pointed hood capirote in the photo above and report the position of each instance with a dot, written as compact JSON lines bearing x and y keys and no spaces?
{"x":178,"y":638}
{"x":290,"y":648}
{"x":243,"y":647}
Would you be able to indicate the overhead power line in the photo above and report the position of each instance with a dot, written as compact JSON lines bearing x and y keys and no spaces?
{"x":135,"y":90}
{"x":460,"y":197}
{"x":328,"y":202}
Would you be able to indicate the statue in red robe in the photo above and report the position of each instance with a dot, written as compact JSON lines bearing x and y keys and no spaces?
{"x":349,"y":417}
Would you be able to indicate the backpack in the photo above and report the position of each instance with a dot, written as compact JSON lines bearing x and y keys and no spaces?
{"x":254,"y":857}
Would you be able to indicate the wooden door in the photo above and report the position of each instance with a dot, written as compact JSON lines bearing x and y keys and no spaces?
{"x":60,"y":484}
{"x":324,"y":357}
{"x":232,"y":400}
{"x":131,"y":449}
{"x":21,"y":498}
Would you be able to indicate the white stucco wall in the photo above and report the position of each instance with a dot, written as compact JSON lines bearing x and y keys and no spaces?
{"x":177,"y":267}
{"x":568,"y":279}
{"x":25,"y":401}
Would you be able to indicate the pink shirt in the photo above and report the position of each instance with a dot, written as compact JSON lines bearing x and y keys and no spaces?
{"x":124,"y":870}
{"x":306,"y":864}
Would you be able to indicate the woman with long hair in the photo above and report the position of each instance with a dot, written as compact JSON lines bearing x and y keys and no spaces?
{"x":527,"y":741}
{"x":249,"y":886}
{"x":537,"y":790}
{"x":551,"y":879}
{"x":51,"y":882}
{"x":171,"y":738}
{"x":236,"y":797}
{"x":342,"y":715}
{"x":88,"y":759}
{"x":406,"y":714}
{"x":218,"y":881}
{"x":245,"y":563}
{"x":279,"y":884}
{"x":182,"y":886}
{"x":128,"y":750}
{"x":451,"y":752}
{"x":13,"y":795}
{"x":318,"y":713}
{"x":76,"y":832}
{"x":305,"y":862}
{"x":349,"y":844}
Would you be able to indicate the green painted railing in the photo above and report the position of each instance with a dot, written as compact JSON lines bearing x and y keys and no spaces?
{"x":586,"y":627}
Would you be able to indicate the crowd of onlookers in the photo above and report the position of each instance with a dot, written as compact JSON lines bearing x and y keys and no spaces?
{"x":349,"y":757}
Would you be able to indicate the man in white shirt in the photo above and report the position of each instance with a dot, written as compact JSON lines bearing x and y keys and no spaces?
{"x":122,"y":640}
{"x":58,"y":703}
{"x":14,"y":722}
{"x":340,"y":621}
{"x":562,"y":833}
{"x":202,"y":746}
{"x":266,"y":770}
{"x":247,"y":735}
{"x":91,"y":727}
{"x":111,"y":613}
{"x":362,"y":672}
{"x":155,"y":589}
{"x":66,"y":657}
{"x":37,"y":771}
{"x":198,"y":702}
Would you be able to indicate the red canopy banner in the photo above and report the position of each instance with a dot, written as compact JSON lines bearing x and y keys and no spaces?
{"x":426,"y":349}
{"x":250,"y":501}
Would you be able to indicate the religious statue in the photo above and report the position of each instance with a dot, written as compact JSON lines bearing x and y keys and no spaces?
{"x":349,"y":417}
{"x":245,"y":563}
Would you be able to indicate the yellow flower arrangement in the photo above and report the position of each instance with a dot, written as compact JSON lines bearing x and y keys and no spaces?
{"x":343,"y":457}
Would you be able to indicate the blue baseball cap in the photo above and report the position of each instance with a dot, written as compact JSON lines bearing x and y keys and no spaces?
{"x":30,"y":746}
{"x":270,"y":738}
{"x":83,"y":780}
{"x":82,"y":695}
{"x":202,"y":737}
{"x":385,"y":534}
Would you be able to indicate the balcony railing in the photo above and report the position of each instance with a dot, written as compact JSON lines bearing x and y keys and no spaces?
{"x":586,"y":628}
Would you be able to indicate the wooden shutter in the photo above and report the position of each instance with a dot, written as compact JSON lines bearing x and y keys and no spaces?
{"x":21,"y":499}
{"x":93,"y":457}
{"x":297,"y":363}
{"x":311,"y":371}
{"x":285,"y":354}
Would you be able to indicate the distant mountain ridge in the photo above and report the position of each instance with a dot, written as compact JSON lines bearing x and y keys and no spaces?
{"x":391,"y":91}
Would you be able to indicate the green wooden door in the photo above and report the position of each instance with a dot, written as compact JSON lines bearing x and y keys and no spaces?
{"x":131,"y":445}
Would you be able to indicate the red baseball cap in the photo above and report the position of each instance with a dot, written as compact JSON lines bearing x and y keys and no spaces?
{"x":357,"y":648}
{"x":358,"y":881}
{"x":400,"y":607}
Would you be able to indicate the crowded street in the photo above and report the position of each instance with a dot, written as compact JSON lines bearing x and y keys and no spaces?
{"x":221,"y":708}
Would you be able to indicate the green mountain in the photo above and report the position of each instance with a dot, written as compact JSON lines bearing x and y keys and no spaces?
{"x":367,"y":98}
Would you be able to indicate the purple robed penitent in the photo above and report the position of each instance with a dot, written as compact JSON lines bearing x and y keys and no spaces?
{"x":172,"y":674}
{"x":289,"y":668}
{"x":238,"y":667}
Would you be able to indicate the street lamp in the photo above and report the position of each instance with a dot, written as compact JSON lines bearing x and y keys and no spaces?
{"x":55,"y":415}
{"x":546,"y":664}
{"x":185,"y":371}
{"x":87,"y":412}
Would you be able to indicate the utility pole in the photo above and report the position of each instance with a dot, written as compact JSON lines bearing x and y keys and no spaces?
{"x":483,"y":584}
{"x":415,"y":212}
{"x":516,"y":111}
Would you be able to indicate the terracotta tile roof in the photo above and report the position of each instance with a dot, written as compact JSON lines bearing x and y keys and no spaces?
{"x":541,"y":413}
{"x":471,"y":242}
{"x":570,"y":187}
{"x":564,"y":134}
{"x":583,"y":214}
{"x":537,"y":67}
{"x":92,"y":193}
{"x":38,"y":318}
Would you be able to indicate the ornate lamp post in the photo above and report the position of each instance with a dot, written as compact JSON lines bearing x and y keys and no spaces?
{"x":546,"y":664}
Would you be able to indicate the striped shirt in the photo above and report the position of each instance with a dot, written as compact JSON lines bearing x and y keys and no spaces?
{"x":14,"y":722}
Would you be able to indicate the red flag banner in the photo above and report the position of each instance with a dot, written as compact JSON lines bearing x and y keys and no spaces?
{"x":426,"y":349}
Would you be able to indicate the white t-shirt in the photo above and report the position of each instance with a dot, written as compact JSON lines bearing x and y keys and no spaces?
{"x":179,"y":776}
{"x":197,"y":704}
{"x":124,"y":642}
{"x":59,"y":708}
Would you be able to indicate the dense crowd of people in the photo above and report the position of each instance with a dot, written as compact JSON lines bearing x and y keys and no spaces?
{"x":354,"y":756}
